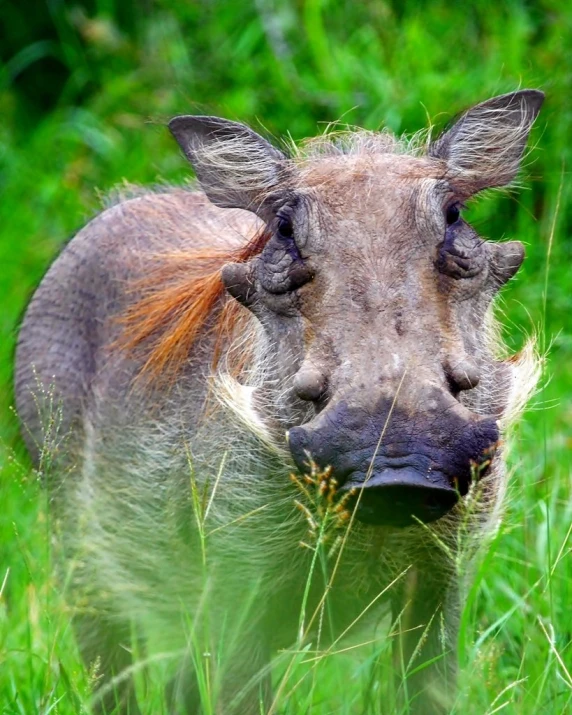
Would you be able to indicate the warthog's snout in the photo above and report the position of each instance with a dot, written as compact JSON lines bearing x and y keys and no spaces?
{"x":400,"y":497}
{"x":418,"y":470}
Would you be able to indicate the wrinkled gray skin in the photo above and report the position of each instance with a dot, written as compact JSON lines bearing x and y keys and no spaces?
{"x":372,"y":358}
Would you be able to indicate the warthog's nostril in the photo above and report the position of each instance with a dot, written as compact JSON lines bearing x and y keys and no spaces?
{"x":401,"y":497}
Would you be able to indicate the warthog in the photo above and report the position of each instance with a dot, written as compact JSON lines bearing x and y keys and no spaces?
{"x":265,"y":408}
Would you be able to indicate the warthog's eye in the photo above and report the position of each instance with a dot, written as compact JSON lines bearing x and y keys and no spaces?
{"x":285,"y":232}
{"x":284,"y":227}
{"x":283,"y":267}
{"x":453,"y":214}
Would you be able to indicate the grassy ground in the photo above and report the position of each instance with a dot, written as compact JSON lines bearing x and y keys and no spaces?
{"x":290,"y":66}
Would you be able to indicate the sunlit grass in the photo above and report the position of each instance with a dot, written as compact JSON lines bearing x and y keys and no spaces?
{"x":514,"y":639}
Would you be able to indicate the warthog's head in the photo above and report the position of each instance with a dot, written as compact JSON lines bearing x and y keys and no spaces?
{"x":375,"y":293}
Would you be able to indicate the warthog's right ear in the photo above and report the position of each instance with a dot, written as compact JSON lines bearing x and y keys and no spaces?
{"x":484,"y":147}
{"x":236,"y":167}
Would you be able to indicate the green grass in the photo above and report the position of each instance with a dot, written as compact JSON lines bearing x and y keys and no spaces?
{"x":289,"y":67}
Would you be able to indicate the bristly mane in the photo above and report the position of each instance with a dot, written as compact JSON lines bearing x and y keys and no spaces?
{"x":178,"y":297}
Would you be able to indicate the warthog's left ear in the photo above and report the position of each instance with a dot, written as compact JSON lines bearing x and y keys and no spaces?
{"x":484,"y":147}
{"x":236,"y":167}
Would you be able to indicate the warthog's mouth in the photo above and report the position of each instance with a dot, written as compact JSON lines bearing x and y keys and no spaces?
{"x":400,"y":497}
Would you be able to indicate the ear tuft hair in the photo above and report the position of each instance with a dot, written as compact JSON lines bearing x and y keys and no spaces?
{"x":235,"y":166}
{"x":484,"y":148}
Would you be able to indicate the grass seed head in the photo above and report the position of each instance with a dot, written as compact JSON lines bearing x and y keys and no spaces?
{"x":325,"y":511}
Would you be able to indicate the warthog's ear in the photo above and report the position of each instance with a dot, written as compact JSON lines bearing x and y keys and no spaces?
{"x":236,"y":167}
{"x":484,"y":147}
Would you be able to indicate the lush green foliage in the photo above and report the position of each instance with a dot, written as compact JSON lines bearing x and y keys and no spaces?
{"x":84,"y":91}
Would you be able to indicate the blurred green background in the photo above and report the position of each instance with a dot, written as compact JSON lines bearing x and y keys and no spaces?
{"x":85,"y":90}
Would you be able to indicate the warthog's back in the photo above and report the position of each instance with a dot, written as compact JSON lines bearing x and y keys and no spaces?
{"x":75,"y":315}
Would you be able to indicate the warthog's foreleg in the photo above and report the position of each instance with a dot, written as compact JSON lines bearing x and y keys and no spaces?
{"x":425,"y":611}
{"x":241,"y":687}
{"x":105,"y":649}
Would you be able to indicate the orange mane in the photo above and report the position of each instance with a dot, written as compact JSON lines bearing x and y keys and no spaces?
{"x":175,"y":301}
